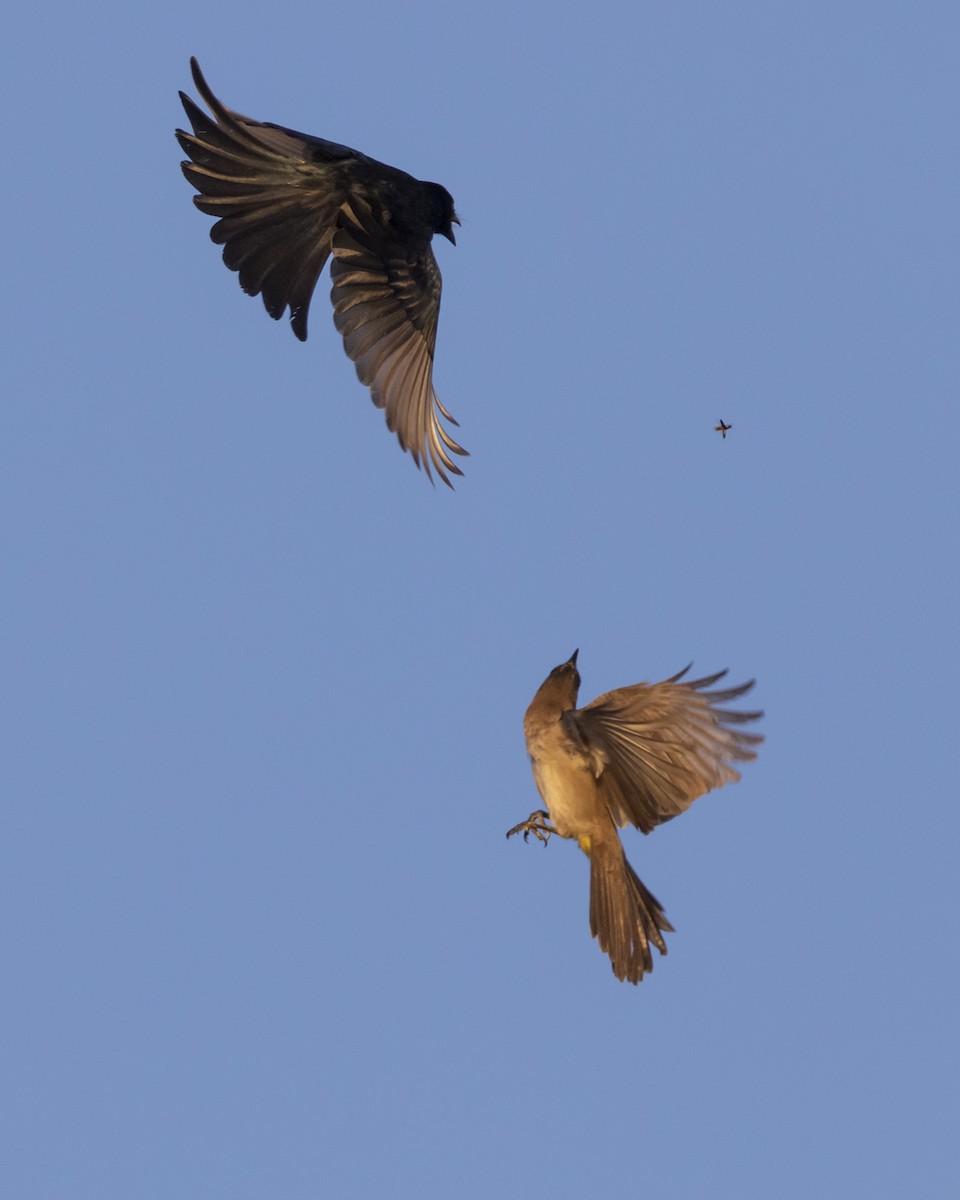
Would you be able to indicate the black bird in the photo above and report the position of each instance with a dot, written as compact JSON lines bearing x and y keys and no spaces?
{"x":286,"y":202}
{"x":722,"y":429}
{"x":638,"y":755}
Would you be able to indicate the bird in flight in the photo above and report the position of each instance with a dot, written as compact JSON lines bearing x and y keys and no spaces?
{"x":638,"y":756}
{"x":285,"y":203}
{"x":722,"y":429}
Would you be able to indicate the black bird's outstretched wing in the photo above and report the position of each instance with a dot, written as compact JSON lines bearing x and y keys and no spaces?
{"x":276,"y":195}
{"x":657,"y":747}
{"x":386,"y":302}
{"x":285,"y":201}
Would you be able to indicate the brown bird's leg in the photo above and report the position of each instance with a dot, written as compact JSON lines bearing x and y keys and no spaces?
{"x":537,"y":824}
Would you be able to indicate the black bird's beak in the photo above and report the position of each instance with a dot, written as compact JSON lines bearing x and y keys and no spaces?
{"x":572,"y":660}
{"x":448,"y":232}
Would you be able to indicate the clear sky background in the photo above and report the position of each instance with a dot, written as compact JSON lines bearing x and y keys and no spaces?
{"x":262,"y":935}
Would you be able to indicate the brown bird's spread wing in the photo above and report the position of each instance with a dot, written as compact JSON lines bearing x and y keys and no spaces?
{"x":277,"y":195}
{"x":657,"y":747}
{"x":386,"y":300}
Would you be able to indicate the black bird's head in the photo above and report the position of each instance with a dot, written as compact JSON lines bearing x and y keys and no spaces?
{"x":442,"y":213}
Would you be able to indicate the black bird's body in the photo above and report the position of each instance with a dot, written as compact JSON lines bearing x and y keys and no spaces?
{"x":286,"y":202}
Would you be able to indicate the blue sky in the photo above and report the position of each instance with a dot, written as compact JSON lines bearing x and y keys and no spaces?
{"x":264,"y":686}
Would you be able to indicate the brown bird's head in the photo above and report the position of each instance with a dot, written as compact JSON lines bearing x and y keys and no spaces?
{"x":560,"y":688}
{"x":442,"y":213}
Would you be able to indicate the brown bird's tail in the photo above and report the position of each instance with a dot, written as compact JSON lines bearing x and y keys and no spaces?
{"x":624,"y":917}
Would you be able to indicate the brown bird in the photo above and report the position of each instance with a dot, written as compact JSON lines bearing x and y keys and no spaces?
{"x":286,"y":202}
{"x":722,"y":429}
{"x":639,"y":756}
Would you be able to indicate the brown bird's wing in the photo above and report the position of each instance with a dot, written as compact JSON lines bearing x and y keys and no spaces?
{"x":657,"y":747}
{"x":277,"y":194}
{"x":386,"y":300}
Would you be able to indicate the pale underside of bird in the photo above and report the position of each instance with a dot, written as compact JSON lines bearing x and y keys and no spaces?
{"x":286,"y":202}
{"x":639,"y":756}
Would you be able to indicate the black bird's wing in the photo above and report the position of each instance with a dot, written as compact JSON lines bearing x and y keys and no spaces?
{"x":277,"y":194}
{"x":657,"y":747}
{"x":386,"y":301}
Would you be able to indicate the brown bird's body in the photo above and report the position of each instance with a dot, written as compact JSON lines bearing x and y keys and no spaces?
{"x":639,"y":755}
{"x":286,"y":203}
{"x":723,"y":429}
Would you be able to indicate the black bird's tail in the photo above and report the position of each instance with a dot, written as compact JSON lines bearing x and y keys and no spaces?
{"x":624,"y":917}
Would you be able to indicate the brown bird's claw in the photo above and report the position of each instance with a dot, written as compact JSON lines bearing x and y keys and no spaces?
{"x":537,"y":824}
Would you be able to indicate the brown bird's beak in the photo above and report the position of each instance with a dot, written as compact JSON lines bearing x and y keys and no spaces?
{"x":572,"y":660}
